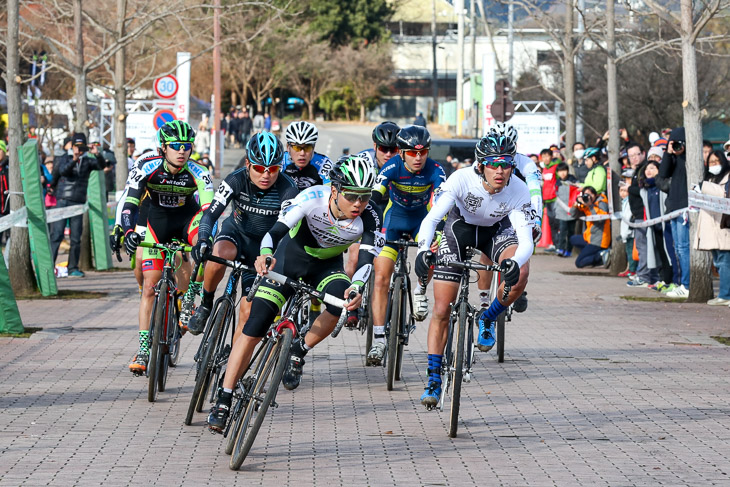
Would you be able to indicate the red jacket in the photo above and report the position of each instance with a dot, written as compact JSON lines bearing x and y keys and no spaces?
{"x":550,"y":182}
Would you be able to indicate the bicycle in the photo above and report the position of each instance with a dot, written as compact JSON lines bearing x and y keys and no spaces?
{"x":459,"y":351}
{"x":501,"y":319}
{"x":257,"y":389}
{"x":214,"y":348}
{"x":400,"y":321}
{"x":164,"y":331}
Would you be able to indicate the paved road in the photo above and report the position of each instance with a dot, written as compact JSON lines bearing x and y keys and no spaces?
{"x":594,"y":390}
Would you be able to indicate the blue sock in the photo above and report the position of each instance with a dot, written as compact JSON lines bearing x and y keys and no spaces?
{"x":434,"y":367}
{"x":491,"y":313}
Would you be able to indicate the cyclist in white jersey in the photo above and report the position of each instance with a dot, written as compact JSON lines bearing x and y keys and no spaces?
{"x":487,"y":209}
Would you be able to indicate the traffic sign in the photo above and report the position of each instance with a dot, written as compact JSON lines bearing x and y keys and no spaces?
{"x":162,"y":117}
{"x":166,"y":86}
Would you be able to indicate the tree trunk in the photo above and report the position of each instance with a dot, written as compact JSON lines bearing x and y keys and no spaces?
{"x":569,"y":78}
{"x":618,"y":252}
{"x":362,"y":112}
{"x":700,"y":276}
{"x":120,"y":102}
{"x":82,"y":109}
{"x":22,"y":278}
{"x":310,"y":109}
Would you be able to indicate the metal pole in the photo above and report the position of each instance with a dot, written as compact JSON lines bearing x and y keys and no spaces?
{"x":434,"y":75}
{"x":473,"y":31}
{"x":460,"y":67}
{"x":511,"y":41}
{"x":217,"y":86}
{"x":579,"y":134}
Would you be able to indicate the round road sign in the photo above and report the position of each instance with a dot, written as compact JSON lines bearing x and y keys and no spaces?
{"x":166,"y":86}
{"x":162,"y":117}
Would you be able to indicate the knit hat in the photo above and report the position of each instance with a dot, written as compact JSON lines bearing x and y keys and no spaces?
{"x":3,"y":147}
{"x":653,"y":137}
{"x":656,"y":151}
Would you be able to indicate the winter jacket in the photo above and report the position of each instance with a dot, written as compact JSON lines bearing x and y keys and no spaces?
{"x":709,"y":234}
{"x":597,"y":233}
{"x":635,"y":202}
{"x":672,"y":178}
{"x":549,"y":182}
{"x":73,"y":178}
{"x":596,"y":178}
{"x":564,"y":196}
{"x":626,"y":231}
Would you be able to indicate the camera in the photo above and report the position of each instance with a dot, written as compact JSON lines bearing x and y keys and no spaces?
{"x":677,"y":145}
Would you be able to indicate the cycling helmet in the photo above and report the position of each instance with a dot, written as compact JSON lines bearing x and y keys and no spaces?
{"x":265,"y":149}
{"x":385,"y":134}
{"x":354,"y":172}
{"x":413,"y":137}
{"x":301,"y":133}
{"x":494,"y":144}
{"x":503,"y":130}
{"x":175,"y":131}
{"x":592,"y":152}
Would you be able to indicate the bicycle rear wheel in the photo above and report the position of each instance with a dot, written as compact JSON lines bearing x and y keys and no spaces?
{"x":500,"y":337}
{"x":163,"y":356}
{"x":175,"y":336}
{"x":405,"y":323}
{"x":458,"y":369}
{"x":157,"y":324}
{"x":368,"y":315}
{"x":263,"y":392}
{"x":395,"y":325}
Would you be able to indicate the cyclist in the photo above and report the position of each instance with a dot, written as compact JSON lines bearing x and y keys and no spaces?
{"x":171,"y":181}
{"x":530,"y":173}
{"x":410,"y":180}
{"x":487,"y":209}
{"x":306,"y":167}
{"x":258,"y":191}
{"x":317,"y":226}
{"x":384,"y":148}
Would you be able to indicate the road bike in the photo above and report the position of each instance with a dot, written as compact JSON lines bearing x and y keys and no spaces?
{"x":257,"y":389}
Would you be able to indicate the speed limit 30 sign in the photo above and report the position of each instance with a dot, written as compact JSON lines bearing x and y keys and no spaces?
{"x":166,"y":86}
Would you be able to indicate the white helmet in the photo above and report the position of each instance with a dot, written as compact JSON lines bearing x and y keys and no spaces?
{"x":505,"y":130}
{"x":301,"y":133}
{"x":354,"y":172}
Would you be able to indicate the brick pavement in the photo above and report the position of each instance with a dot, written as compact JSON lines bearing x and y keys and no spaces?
{"x":594,"y":390}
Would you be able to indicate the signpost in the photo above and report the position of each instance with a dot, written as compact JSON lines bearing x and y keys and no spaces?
{"x":182,"y":97}
{"x":166,"y":87}
{"x":161,"y":117}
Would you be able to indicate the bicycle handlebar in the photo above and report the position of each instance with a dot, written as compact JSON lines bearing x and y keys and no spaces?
{"x":171,"y":247}
{"x":402,"y":243}
{"x":476,"y":266}
{"x":343,"y":315}
{"x":233,"y":264}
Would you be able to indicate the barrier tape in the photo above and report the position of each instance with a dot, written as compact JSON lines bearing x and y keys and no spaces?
{"x":56,"y":214}
{"x":15,"y":218}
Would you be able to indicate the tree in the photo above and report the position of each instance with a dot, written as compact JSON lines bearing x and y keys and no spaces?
{"x":340,"y":22}
{"x":368,"y":70}
{"x":312,"y":73}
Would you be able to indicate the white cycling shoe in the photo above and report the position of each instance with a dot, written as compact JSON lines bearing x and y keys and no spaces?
{"x":420,"y":305}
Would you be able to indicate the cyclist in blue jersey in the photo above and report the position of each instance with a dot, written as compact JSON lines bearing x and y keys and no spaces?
{"x":410,"y":180}
{"x":384,"y":148}
{"x":257,"y":191}
{"x":306,"y":167}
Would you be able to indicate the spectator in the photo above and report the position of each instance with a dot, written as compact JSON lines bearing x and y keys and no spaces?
{"x":627,"y":233}
{"x":131,"y":146}
{"x":420,"y":120}
{"x":47,"y":169}
{"x":107,"y":158}
{"x":596,"y":177}
{"x":74,"y":173}
{"x":566,"y":222}
{"x":655,"y":154}
{"x":654,"y":202}
{"x":245,"y":129}
{"x":706,"y":150}
{"x":226,"y":128}
{"x":643,"y":276}
{"x":4,"y":179}
{"x":672,"y":179}
{"x":202,"y":138}
{"x":713,"y":229}
{"x":207,"y":163}
{"x":258,"y":123}
{"x":234,"y":130}
{"x":726,"y":147}
{"x":595,"y":242}
{"x":267,"y":122}
{"x":550,"y":192}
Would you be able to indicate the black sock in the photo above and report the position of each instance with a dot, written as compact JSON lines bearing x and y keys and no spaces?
{"x":207,"y":300}
{"x":297,"y":349}
{"x":225,"y":398}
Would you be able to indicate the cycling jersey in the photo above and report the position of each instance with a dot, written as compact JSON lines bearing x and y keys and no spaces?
{"x":141,"y":221}
{"x":369,"y":154}
{"x":172,"y":192}
{"x":255,"y":210}
{"x":533,"y":177}
{"x":478,"y":207}
{"x":313,"y":174}
{"x":313,"y":229}
{"x":409,"y":190}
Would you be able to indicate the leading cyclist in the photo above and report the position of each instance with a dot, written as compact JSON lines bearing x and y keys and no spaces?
{"x":487,"y":209}
{"x":313,"y":231}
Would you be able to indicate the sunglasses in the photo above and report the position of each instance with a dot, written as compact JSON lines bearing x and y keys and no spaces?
{"x":262,"y":169}
{"x":505,"y":162}
{"x":302,"y":148}
{"x":186,"y":146}
{"x":415,"y":153}
{"x":353,"y":196}
{"x":387,"y":150}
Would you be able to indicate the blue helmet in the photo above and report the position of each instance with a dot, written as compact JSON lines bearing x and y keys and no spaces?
{"x":265,"y":149}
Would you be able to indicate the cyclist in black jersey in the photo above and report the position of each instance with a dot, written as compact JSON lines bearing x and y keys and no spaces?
{"x":171,"y":181}
{"x":257,"y":191}
{"x":306,"y":167}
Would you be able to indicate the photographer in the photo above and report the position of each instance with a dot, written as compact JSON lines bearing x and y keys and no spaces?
{"x":672,"y":179}
{"x":73,"y":170}
{"x":595,"y":242}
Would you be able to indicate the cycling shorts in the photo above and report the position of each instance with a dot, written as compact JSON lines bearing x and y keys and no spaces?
{"x":458,"y":235}
{"x":163,"y":226}
{"x":399,"y":222}
{"x":327,"y":275}
{"x":248,"y":248}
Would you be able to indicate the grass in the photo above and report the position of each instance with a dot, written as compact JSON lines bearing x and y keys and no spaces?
{"x":66,"y":294}
{"x":723,"y":340}
{"x":652,"y":299}
{"x":28,"y":332}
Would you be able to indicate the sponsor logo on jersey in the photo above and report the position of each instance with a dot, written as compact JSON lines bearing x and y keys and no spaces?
{"x":472,"y":202}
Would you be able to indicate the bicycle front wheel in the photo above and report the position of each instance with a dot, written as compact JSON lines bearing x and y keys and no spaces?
{"x":157,"y":324}
{"x":165,"y":353}
{"x":396,"y":317}
{"x":405,"y":322}
{"x":263,"y":392}
{"x":500,"y":337}
{"x":368,"y":314}
{"x":457,"y":367}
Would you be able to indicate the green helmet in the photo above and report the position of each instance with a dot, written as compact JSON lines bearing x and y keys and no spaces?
{"x":175,"y":131}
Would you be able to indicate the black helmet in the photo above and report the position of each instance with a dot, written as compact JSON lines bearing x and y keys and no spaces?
{"x":491,"y":145}
{"x":385,"y":134}
{"x":413,"y":137}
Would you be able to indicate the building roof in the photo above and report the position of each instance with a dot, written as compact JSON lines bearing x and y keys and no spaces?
{"x":421,"y":11}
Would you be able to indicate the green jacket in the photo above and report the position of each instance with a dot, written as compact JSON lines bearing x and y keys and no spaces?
{"x":596,"y":178}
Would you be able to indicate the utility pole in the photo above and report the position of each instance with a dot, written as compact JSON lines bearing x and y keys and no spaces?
{"x":217,"y":86}
{"x":579,"y":132}
{"x":473,"y":30}
{"x":435,"y":74}
{"x":511,"y":41}
{"x":459,"y":67}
